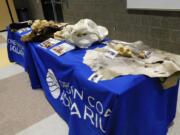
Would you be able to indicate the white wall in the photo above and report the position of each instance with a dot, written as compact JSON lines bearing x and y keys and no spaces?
{"x":35,"y":9}
{"x":154,"y":4}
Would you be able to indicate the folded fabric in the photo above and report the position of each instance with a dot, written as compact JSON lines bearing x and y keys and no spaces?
{"x":83,"y":33}
{"x":155,"y":63}
{"x":19,"y":25}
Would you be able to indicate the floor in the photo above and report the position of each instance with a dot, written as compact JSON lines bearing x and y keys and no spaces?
{"x":32,"y":117}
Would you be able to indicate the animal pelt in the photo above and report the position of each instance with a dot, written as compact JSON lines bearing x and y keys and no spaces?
{"x":42,"y":30}
{"x":40,"y":36}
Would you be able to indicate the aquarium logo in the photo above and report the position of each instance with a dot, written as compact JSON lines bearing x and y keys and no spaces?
{"x":52,"y":82}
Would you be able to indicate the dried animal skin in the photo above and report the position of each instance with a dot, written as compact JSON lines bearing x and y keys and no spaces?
{"x":170,"y":81}
{"x":157,"y":64}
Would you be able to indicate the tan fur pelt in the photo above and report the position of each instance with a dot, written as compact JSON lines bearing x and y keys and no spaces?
{"x":38,"y":25}
{"x":41,"y":29}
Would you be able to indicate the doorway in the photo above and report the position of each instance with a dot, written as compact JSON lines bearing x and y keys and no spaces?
{"x":53,"y":10}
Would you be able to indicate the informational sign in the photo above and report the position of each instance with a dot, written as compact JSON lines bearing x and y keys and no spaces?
{"x":154,"y":4}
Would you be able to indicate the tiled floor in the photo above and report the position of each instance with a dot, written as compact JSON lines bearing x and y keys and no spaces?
{"x":4,"y":58}
{"x":3,"y":51}
{"x":53,"y":124}
{"x":7,"y":69}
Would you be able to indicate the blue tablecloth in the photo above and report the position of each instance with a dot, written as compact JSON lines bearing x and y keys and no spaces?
{"x":127,"y":105}
{"x":19,"y":52}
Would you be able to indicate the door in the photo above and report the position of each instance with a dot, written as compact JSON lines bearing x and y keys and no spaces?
{"x":5,"y":18}
{"x":53,"y":10}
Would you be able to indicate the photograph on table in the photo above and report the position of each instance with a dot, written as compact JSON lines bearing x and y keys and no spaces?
{"x":62,"y":48}
{"x":49,"y":42}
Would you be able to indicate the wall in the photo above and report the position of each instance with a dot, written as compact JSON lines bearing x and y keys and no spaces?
{"x":5,"y":17}
{"x":154,"y":4}
{"x":160,"y":29}
{"x":35,"y":9}
{"x":13,"y":10}
{"x":20,"y":4}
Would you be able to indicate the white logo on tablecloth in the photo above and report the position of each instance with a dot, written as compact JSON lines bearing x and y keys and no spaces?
{"x":84,"y":106}
{"x":52,"y":82}
{"x":79,"y":104}
{"x":15,"y":47}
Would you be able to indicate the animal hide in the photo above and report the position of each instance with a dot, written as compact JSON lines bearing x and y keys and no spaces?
{"x":42,"y":30}
{"x":157,"y":63}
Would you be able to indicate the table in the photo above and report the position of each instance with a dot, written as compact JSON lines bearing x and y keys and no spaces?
{"x":128,"y":105}
{"x":19,"y":52}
